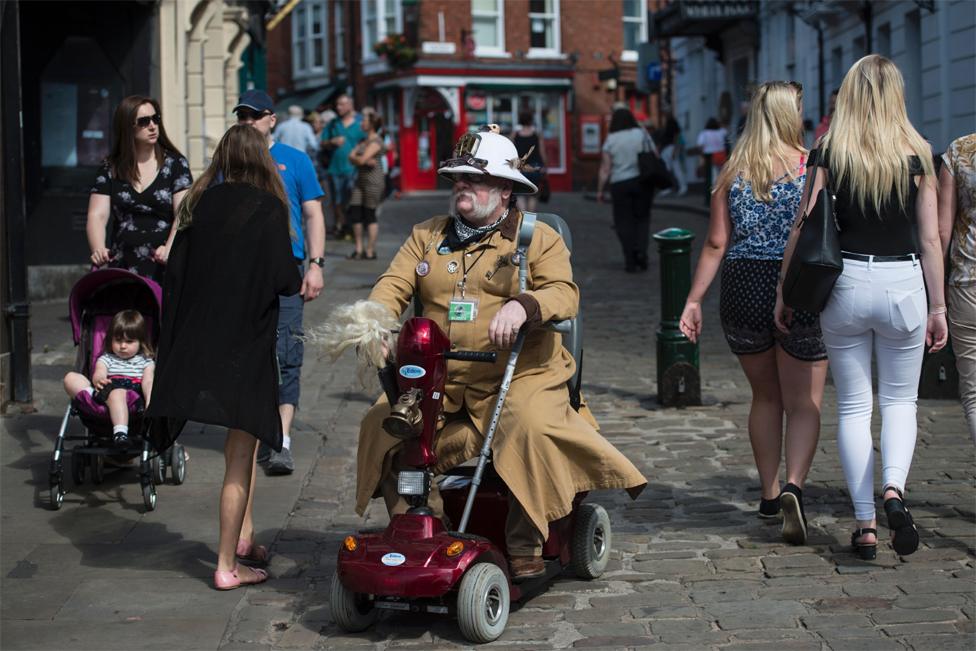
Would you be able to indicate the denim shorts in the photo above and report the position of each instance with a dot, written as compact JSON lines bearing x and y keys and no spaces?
{"x":342,"y":186}
{"x":290,"y":347}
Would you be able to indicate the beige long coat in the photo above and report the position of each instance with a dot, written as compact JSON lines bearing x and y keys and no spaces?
{"x":544,"y":450}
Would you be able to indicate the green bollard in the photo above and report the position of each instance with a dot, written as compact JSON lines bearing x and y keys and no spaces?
{"x":678,"y":375}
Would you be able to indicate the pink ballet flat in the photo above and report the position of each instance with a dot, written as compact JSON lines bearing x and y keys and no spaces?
{"x":248,"y":551}
{"x":231,"y":580}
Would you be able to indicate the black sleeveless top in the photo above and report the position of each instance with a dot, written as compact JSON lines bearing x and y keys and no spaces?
{"x":893,"y":231}
{"x":522,"y":145}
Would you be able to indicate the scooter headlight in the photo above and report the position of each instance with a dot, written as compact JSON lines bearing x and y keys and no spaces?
{"x":413,"y":482}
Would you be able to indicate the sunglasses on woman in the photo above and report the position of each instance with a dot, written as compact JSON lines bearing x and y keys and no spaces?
{"x":144,"y":121}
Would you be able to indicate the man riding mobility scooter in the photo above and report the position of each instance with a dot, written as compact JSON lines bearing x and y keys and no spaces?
{"x":419,"y":564}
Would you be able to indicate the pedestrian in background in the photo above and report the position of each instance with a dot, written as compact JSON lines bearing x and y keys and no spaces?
{"x":670,"y":143}
{"x":341,"y":136}
{"x":824,"y":125}
{"x":528,"y":144}
{"x":753,"y":206}
{"x":367,"y":193}
{"x":296,"y":132}
{"x":139,"y":188}
{"x":303,"y":192}
{"x":957,"y":231}
{"x":880,"y":170}
{"x":631,"y":197}
{"x":218,"y":331}
{"x":712,"y":141}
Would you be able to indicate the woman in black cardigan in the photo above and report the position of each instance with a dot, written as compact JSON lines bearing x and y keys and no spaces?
{"x":230,"y":260}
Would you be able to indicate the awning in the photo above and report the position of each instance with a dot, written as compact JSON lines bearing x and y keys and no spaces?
{"x":702,"y":17}
{"x":310,"y":99}
{"x":517,"y":88}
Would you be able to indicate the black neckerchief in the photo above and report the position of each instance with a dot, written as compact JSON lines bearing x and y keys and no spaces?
{"x":454,"y":242}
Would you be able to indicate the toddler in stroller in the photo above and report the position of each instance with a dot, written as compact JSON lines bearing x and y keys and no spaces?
{"x":122,"y":377}
{"x":115,"y":318}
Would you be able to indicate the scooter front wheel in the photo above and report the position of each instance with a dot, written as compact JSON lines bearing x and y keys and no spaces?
{"x":483,"y":603}
{"x":351,"y":611}
{"x":591,"y":541}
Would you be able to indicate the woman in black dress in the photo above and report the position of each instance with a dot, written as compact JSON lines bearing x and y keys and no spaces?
{"x":528,"y":144}
{"x":231,"y":258}
{"x":139,"y":187}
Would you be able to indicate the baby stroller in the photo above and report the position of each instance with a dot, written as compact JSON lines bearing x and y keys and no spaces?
{"x":94,"y":300}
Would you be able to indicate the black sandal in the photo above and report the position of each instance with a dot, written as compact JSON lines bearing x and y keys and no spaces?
{"x":355,"y":255}
{"x":867,"y":551}
{"x":900,"y":521}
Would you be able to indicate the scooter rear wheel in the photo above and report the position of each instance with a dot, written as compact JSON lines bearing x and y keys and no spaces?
{"x":483,"y":603}
{"x":591,"y":541}
{"x":351,"y":611}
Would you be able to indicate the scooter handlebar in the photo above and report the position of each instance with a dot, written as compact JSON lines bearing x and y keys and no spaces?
{"x":471,"y":356}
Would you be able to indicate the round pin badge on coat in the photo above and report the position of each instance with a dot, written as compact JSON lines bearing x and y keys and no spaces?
{"x":452,"y":267}
{"x":516,"y":258}
{"x":423,"y":268}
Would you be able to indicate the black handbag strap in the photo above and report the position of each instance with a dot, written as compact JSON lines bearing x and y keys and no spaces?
{"x":808,"y":186}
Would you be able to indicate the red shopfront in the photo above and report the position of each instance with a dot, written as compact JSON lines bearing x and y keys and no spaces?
{"x":427,"y":113}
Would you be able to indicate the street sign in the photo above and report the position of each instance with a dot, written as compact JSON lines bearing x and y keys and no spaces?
{"x":648,"y":67}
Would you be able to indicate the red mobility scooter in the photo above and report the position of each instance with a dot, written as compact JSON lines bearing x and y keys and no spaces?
{"x":416,"y":564}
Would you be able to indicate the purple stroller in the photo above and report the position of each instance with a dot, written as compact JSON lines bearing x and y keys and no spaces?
{"x":94,"y":300}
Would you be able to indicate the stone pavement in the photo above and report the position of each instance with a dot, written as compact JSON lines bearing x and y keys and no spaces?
{"x":692,"y":567}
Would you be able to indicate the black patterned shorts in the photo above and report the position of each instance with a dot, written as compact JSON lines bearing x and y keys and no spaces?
{"x":746,"y":307}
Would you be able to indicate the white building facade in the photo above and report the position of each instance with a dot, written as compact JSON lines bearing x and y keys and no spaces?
{"x":729,"y":47}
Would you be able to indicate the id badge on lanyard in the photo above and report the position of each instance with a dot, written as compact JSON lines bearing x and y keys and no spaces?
{"x":462,"y":310}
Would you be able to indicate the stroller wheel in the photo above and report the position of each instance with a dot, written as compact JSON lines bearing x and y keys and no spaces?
{"x":98,"y":468}
{"x":78,"y":468}
{"x":351,"y":611}
{"x":158,"y":469}
{"x":591,"y":541}
{"x":483,"y":603}
{"x":149,"y":496}
{"x":177,"y":463}
{"x":57,"y":495}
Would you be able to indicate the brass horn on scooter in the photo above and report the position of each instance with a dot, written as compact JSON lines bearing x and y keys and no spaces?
{"x":405,"y":418}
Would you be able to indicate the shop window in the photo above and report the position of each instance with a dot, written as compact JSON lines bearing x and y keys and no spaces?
{"x":379,"y":18}
{"x":503,"y":109}
{"x":543,"y":27}
{"x":309,"y":40}
{"x":635,"y":28}
{"x":488,"y":27}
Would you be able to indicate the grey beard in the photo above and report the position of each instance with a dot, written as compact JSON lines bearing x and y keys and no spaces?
{"x":481,"y":211}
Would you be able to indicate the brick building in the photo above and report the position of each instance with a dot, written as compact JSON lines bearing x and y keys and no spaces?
{"x":462,"y":63}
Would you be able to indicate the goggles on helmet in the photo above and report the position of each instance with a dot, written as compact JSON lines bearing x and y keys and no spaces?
{"x":464,"y":153}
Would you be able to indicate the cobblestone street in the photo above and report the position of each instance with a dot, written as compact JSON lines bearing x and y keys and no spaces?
{"x":692,"y":567}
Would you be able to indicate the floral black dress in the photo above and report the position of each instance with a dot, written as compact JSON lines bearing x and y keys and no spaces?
{"x":141,"y":221}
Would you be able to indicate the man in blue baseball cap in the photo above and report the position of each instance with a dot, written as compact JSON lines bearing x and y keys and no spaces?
{"x":308,"y":224}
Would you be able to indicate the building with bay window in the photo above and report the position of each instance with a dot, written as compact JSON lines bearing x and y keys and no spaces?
{"x":448,"y":66}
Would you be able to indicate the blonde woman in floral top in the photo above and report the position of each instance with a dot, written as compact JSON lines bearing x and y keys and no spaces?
{"x":137,"y":192}
{"x":957,"y":230}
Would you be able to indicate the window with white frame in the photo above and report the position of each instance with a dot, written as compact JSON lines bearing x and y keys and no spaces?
{"x":379,"y":18}
{"x":309,"y":40}
{"x":635,"y":26}
{"x":503,"y":109}
{"x":339,"y":27}
{"x":488,"y":26}
{"x":543,"y":27}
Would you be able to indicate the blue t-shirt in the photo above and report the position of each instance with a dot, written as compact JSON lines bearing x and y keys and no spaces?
{"x":301,"y":185}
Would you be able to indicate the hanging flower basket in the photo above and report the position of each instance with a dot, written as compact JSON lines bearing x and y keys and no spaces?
{"x":396,"y":50}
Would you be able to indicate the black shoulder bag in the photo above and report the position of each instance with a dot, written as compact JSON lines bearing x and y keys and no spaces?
{"x":652,"y":169}
{"x":816,"y":263}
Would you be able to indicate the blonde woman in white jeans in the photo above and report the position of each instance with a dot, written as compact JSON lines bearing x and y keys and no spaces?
{"x":880,"y":170}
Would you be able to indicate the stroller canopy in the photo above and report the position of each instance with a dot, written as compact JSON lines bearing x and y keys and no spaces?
{"x":114,"y":289}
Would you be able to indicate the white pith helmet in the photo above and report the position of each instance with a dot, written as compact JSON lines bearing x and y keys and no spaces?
{"x":490,"y":153}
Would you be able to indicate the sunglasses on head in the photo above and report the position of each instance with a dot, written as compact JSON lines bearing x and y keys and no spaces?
{"x":144,"y":121}
{"x":250,"y":114}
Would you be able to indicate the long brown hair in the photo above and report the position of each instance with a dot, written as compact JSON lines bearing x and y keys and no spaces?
{"x":122,"y":160}
{"x":241,"y":156}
